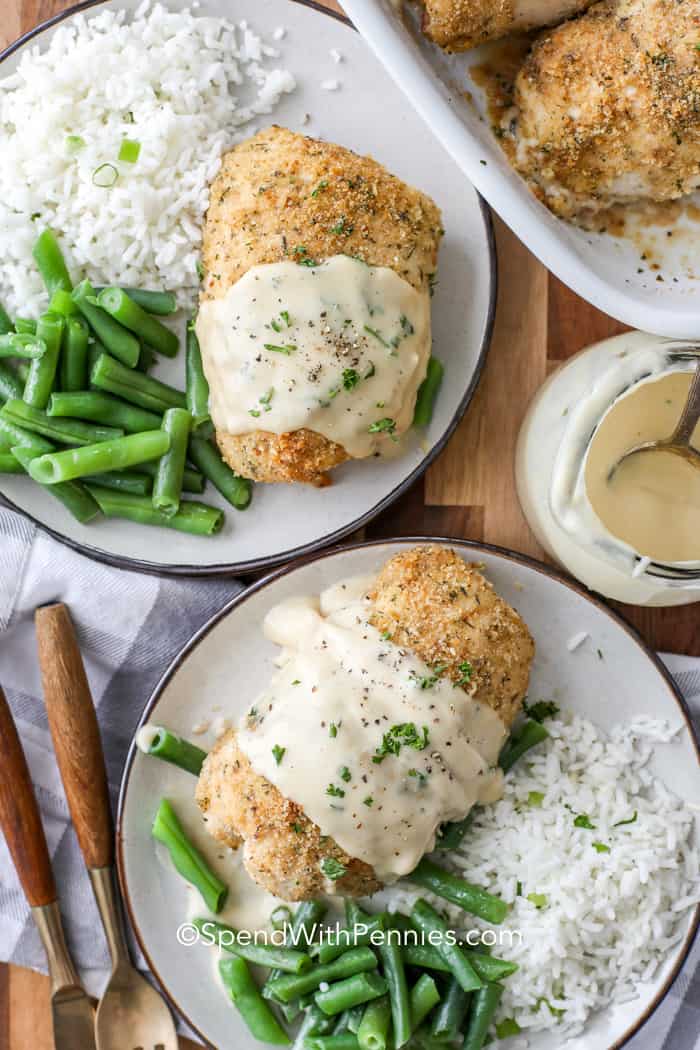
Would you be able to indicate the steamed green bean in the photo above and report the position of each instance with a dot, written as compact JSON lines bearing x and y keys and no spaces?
{"x":236,"y":490}
{"x":531,"y":734}
{"x":5,"y":321}
{"x":352,"y":991}
{"x":427,"y":392}
{"x":196,"y":386}
{"x":117,"y":454}
{"x":74,"y":354}
{"x":65,"y":431}
{"x":10,"y":387}
{"x":112,"y":377}
{"x":464,"y":894}
{"x":373,"y":1033}
{"x":426,"y":920}
{"x":288,"y":960}
{"x":252,"y":1007}
{"x":25,"y":326}
{"x":392,"y":961}
{"x":451,"y":1012}
{"x":133,"y":317}
{"x":287,"y":987}
{"x":483,"y":1006}
{"x":161,"y":303}
{"x":170,"y":747}
{"x":42,"y":371}
{"x":167,"y":486}
{"x":52,"y":266}
{"x":21,"y":344}
{"x":74,"y":497}
{"x":121,"y":343}
{"x":9,"y":464}
{"x":122,"y":481}
{"x":62,"y":303}
{"x":102,"y":408}
{"x":192,"y":480}
{"x":187,"y":859}
{"x":344,"y":1041}
{"x":198,"y":519}
{"x":315,"y":1023}
{"x":423,"y":997}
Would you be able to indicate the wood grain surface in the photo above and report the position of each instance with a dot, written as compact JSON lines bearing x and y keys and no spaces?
{"x":469,"y":491}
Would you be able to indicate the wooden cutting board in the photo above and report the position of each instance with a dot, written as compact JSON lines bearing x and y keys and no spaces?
{"x":468,"y":492}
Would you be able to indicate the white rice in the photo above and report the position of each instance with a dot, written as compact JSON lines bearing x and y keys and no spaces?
{"x":610,"y":918}
{"x":185,"y":87}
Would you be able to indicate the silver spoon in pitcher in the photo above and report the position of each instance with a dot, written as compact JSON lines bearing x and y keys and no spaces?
{"x":679,"y":441}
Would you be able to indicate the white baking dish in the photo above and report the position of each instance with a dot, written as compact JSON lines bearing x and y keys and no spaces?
{"x":603,"y":269}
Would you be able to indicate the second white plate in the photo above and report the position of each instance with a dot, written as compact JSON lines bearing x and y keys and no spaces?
{"x":369,"y":114}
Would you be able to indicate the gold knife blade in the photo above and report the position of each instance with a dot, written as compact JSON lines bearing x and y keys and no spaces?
{"x":72,"y":1011}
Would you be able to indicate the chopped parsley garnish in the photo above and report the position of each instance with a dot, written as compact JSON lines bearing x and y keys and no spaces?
{"x":305,"y":259}
{"x":345,"y":774}
{"x":264,"y":400}
{"x":382,"y":426}
{"x":369,"y":801}
{"x":335,"y":792}
{"x":535,"y":798}
{"x":519,"y":889}
{"x":288,"y":348}
{"x":297,"y":681}
{"x":386,"y":636}
{"x":333,"y":730}
{"x":428,"y":681}
{"x":284,"y":314}
{"x":584,"y":821}
{"x":538,"y":899}
{"x":74,"y":142}
{"x":323,"y":184}
{"x":432,"y":283}
{"x":421,"y":777}
{"x":404,"y":734}
{"x":332,"y":868}
{"x":350,"y":378}
{"x":541,"y":710}
{"x":465,"y":673}
{"x":200,"y":270}
{"x":507,"y":1027}
{"x":600,"y":847}
{"x":630,"y":820}
{"x":406,"y":326}
{"x":341,"y":228}
{"x":297,"y":828}
{"x":377,"y":335}
{"x":279,"y":753}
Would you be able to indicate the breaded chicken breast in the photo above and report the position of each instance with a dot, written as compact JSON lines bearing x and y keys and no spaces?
{"x":608,"y":107}
{"x":443,"y":609}
{"x":279,"y":197}
{"x":430,"y":602}
{"x":282,"y":848}
{"x":458,"y":25}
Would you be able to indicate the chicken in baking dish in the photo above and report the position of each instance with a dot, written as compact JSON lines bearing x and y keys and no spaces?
{"x":607,"y":107}
{"x":386,"y":716}
{"x":458,"y":25}
{"x":314,"y":319}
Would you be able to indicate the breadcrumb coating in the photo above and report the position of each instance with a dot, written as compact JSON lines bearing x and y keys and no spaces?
{"x":446,"y":612}
{"x":281,"y":196}
{"x":608,"y":107}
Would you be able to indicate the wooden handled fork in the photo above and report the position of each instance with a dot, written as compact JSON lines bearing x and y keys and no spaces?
{"x":131,"y":1015}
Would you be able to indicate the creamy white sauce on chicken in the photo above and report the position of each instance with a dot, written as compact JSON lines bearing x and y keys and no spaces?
{"x":339,"y":348}
{"x":376,"y":747}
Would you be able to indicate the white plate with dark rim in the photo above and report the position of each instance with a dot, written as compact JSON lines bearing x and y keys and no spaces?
{"x":604,"y":269}
{"x":370,"y":115}
{"x":229,"y":661}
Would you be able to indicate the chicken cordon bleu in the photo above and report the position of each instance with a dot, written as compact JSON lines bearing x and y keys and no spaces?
{"x":608,"y":107}
{"x":458,"y":25}
{"x":314,"y":320}
{"x":391,"y":703}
